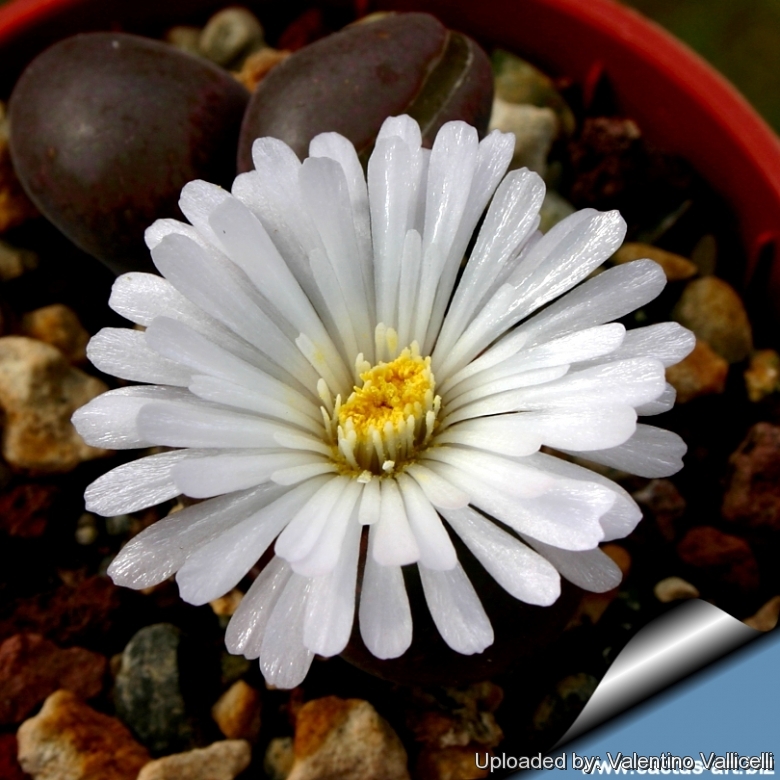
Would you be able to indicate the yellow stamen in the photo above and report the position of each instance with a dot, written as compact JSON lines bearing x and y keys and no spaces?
{"x":384,"y":421}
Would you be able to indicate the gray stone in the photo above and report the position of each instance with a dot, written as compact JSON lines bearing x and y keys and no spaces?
{"x":554,"y":208}
{"x":534,"y":129}
{"x":147,"y":694}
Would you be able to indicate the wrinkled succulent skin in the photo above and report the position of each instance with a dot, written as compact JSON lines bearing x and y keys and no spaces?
{"x":105,"y":130}
{"x":351,"y":81}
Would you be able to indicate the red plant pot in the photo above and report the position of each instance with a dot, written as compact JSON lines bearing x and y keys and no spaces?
{"x":682,"y":105}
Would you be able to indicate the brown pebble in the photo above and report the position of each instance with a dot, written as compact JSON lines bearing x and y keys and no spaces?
{"x":348,"y":740}
{"x":665,"y":503}
{"x":59,"y":326}
{"x":39,"y":391}
{"x":226,"y":605}
{"x":68,"y":739}
{"x":258,"y":65}
{"x":766,"y":618}
{"x":675,"y":589}
{"x":67,"y":615}
{"x":14,"y":262}
{"x":726,"y":556}
{"x":32,"y":667}
{"x":762,"y":377}
{"x":713,"y":310}
{"x":704,"y":254}
{"x":675,"y":266}
{"x":753,"y":495}
{"x":219,"y":761}
{"x":703,"y":372}
{"x":237,"y":712}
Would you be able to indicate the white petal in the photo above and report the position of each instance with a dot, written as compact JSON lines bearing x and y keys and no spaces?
{"x":436,"y":549}
{"x":591,"y":570}
{"x":160,"y":550}
{"x":125,"y":354}
{"x":394,"y":542}
{"x":228,"y":471}
{"x":624,"y":515}
{"x":456,"y":610}
{"x":523,"y":433}
{"x":438,"y":491}
{"x":300,"y":536}
{"x":510,"y":218}
{"x":135,"y":485}
{"x":567,"y":515}
{"x":244,"y":635}
{"x":216,"y":567}
{"x":650,"y":452}
{"x":370,"y":503}
{"x":608,"y":296}
{"x":520,"y":571}
{"x":331,"y":606}
{"x":110,"y":419}
{"x":178,"y":424}
{"x":324,"y":555}
{"x":662,"y":404}
{"x":385,"y":615}
{"x":284,"y":660}
{"x":668,"y":342}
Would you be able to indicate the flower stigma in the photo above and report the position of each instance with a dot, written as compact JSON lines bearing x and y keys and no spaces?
{"x":385,"y":422}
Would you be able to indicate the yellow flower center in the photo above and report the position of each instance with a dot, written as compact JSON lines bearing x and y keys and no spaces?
{"x":384,"y":422}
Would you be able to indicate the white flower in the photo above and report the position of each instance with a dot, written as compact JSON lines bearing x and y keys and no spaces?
{"x":320,"y":364}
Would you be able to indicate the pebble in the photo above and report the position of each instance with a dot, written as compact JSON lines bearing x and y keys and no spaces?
{"x":15,"y":207}
{"x":237,"y":712}
{"x":9,"y":763}
{"x":675,"y":266}
{"x":67,"y":740}
{"x":705,"y":254}
{"x":25,"y":508}
{"x":86,"y":529}
{"x":14,"y":262}
{"x":665,"y":503}
{"x":68,"y":615}
{"x":675,"y":589}
{"x":219,"y":761}
{"x":534,"y":128}
{"x":59,"y":326}
{"x":767,"y":617}
{"x":279,"y":758}
{"x":713,"y":310}
{"x":345,"y":739}
{"x":39,"y":391}
{"x":752,"y":498}
{"x":554,"y":209}
{"x":702,"y":372}
{"x":762,"y":377}
{"x":147,"y":695}
{"x":229,"y":35}
{"x":32,"y":667}
{"x":185,"y":38}
{"x":258,"y":65}
{"x":724,"y":555}
{"x":226,"y":605}
{"x":461,"y":717}
{"x":559,"y":708}
{"x":517,"y":81}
